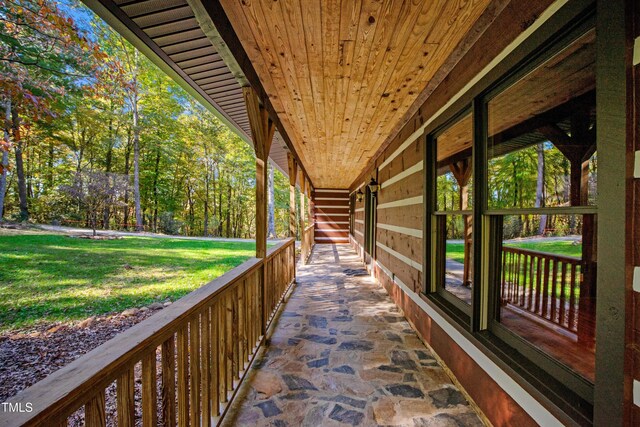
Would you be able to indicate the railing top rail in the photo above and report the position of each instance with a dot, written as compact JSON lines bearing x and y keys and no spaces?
{"x":273,"y":250}
{"x":564,"y":258}
{"x":60,"y":393}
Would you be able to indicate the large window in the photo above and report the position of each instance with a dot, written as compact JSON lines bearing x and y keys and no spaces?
{"x":453,"y":224}
{"x":512,"y":207}
{"x":542,"y":167}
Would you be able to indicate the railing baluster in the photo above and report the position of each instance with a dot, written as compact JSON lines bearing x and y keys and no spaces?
{"x":222,"y":343}
{"x":205,"y":363}
{"x":183,"y":377}
{"x":94,"y":413}
{"x":235,"y":336}
{"x":168,"y":382}
{"x":194,"y":370}
{"x":229,"y":341}
{"x":539,"y":294}
{"x":531,"y":282}
{"x":572,"y":299}
{"x":215,"y":355}
{"x":149,"y":394}
{"x":242,"y":338}
{"x":125,"y":399}
{"x":563,"y":284}
{"x":554,"y":291}
{"x":503,"y":279}
{"x":247,"y":321}
{"x":545,"y":288}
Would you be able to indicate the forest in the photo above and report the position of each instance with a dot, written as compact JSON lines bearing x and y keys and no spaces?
{"x":97,"y":136}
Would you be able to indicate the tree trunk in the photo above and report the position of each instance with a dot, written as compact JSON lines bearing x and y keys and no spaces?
{"x":540,"y":188}
{"x":50,"y":165}
{"x":107,"y":167}
{"x":127,"y":167}
{"x":22,"y":185}
{"x":228,"y":226}
{"x":220,"y":210}
{"x":205,"y":231}
{"x":136,"y":163}
{"x":271,"y":223}
{"x":5,"y":154}
{"x":155,"y":190}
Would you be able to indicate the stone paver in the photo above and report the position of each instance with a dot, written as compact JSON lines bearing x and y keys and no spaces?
{"x":342,"y":354}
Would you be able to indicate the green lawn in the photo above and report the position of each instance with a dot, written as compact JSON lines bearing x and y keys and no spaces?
{"x":50,"y":277}
{"x":558,"y":247}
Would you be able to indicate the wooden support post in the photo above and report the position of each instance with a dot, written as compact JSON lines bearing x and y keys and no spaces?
{"x":293,"y":172}
{"x":262,"y":130}
{"x":578,"y":149}
{"x":309,"y":210}
{"x":461,"y":171}
{"x":302,"y":209}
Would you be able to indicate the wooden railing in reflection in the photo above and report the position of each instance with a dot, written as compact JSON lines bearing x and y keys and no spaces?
{"x":182,"y":365}
{"x":308,"y":237}
{"x":543,"y":284}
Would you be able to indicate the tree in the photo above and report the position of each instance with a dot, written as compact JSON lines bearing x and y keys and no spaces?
{"x":5,"y":147}
{"x":42,"y":54}
{"x":96,"y":190}
{"x":81,"y":110}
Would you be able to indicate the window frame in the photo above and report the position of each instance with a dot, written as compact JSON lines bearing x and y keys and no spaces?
{"x":546,"y":377}
{"x":436,"y":242}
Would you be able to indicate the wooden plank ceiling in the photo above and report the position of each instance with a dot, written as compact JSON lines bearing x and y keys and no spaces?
{"x":170,"y":28}
{"x":342,"y":74}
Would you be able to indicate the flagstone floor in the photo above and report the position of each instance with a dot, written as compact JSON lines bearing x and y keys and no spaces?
{"x":342,"y":354}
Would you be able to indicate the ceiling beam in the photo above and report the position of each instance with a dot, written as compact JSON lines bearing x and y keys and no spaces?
{"x":210,"y":30}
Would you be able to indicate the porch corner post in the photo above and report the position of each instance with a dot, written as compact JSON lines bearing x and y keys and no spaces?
{"x":262,"y":130}
{"x":293,"y":172}
{"x":302,"y":208}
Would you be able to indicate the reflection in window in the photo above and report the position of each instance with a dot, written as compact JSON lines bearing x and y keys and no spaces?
{"x":547,"y":289}
{"x":453,"y":208}
{"x":542,"y":154}
{"x":542,"y":134}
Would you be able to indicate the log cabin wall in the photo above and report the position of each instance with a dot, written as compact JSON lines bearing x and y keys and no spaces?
{"x":331,"y":214}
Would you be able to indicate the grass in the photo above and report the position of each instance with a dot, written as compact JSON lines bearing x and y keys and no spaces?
{"x":50,"y":277}
{"x":455,"y":251}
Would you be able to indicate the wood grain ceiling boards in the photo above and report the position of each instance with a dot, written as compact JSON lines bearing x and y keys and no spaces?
{"x":342,"y":74}
{"x":170,"y":28}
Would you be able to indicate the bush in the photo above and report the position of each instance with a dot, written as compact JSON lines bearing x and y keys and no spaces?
{"x":167,"y":224}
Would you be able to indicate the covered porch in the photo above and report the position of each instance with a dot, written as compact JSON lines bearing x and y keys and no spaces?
{"x":352,"y":100}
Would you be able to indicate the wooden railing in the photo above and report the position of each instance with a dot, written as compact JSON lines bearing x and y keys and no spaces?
{"x":546,"y":285}
{"x":182,"y":365}
{"x":308,"y":237}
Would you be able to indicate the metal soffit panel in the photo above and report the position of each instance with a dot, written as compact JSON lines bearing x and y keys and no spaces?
{"x":171,"y":27}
